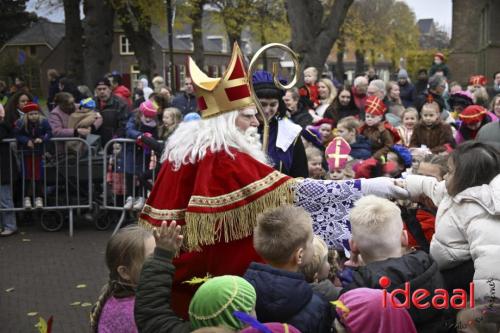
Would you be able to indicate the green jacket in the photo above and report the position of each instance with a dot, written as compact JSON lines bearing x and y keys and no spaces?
{"x":152,"y":309}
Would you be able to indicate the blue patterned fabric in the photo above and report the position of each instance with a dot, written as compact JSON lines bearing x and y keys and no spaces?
{"x":329,"y":203}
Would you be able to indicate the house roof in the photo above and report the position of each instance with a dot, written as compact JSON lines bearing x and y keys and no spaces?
{"x":425,"y":25}
{"x":41,"y":32}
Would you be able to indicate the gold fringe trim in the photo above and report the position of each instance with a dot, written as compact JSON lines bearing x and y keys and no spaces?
{"x":148,"y":226}
{"x":209,"y":228}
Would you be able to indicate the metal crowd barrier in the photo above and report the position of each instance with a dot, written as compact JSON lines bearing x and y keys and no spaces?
{"x":59,"y":172}
{"x":80,"y":180}
{"x":127,"y":174}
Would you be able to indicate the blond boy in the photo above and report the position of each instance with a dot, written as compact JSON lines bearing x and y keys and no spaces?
{"x":378,"y":237}
{"x":317,"y":271}
{"x":283,"y":237}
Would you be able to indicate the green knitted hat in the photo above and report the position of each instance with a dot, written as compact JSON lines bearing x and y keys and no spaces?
{"x":215,"y":301}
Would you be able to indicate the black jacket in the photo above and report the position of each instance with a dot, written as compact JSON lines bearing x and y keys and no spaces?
{"x":286,"y":297}
{"x":185,"y":102}
{"x":301,"y":116}
{"x":8,"y":163}
{"x":114,"y":114}
{"x":152,"y":311}
{"x":421,"y":271}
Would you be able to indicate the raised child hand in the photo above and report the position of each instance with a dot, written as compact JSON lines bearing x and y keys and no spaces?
{"x":38,"y":140}
{"x":168,"y":238}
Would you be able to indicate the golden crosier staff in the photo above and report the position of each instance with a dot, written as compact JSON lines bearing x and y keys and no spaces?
{"x":253,"y":63}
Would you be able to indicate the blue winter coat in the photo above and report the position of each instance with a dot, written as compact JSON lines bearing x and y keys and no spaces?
{"x":361,"y":149}
{"x":23,"y":134}
{"x":142,"y":156}
{"x":286,"y":297}
{"x":407,"y":93}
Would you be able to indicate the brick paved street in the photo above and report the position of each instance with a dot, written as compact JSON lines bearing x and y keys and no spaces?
{"x":45,"y":268}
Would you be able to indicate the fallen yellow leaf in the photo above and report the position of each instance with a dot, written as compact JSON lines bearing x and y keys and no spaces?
{"x":80,"y":286}
{"x":86,"y":304}
{"x":26,"y":240}
{"x":32,"y":314}
{"x":75,"y":303}
{"x":10,"y":289}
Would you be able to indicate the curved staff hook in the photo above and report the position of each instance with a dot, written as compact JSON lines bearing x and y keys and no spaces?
{"x":253,"y":63}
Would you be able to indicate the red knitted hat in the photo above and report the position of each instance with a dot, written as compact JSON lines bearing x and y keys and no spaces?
{"x":30,"y":106}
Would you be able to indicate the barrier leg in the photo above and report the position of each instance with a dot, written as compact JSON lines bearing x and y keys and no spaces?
{"x":71,"y":223}
{"x":119,"y":224}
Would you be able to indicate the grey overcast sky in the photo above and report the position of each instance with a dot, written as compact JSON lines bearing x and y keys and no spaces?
{"x":439,"y":10}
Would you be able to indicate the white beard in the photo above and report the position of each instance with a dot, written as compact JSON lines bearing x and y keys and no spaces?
{"x":190,"y":141}
{"x":253,"y":137}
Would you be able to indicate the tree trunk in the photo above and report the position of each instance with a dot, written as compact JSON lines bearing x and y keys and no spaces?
{"x":360,"y":61}
{"x":340,"y":68}
{"x":313,"y":35}
{"x":98,"y":28}
{"x":138,"y":32}
{"x":196,"y":28}
{"x":73,"y":40}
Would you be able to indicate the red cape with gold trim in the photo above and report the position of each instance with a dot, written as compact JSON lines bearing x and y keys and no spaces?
{"x":217,"y":201}
{"x":220,"y":196}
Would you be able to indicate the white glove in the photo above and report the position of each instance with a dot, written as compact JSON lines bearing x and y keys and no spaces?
{"x":383,"y":187}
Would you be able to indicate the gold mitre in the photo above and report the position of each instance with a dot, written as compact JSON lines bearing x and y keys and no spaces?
{"x":228,"y":93}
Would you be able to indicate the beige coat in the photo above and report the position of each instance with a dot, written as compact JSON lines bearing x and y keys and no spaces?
{"x":467,"y":227}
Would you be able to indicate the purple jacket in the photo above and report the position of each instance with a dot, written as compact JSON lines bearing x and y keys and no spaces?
{"x":58,"y":120}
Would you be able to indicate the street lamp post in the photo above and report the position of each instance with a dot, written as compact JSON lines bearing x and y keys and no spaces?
{"x":171,"y":45}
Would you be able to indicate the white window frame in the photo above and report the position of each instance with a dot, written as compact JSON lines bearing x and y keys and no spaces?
{"x":224,"y":41}
{"x":134,"y":75}
{"x":125,"y":44}
{"x":186,"y":36}
{"x":182,"y":75}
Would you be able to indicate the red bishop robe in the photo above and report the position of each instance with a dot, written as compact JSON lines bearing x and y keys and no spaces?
{"x":216,"y":201}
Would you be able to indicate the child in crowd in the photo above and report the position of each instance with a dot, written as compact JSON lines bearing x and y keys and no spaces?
{"x":213,"y":304}
{"x":361,"y":310}
{"x":376,"y":129}
{"x":171,"y":118}
{"x":325,"y":129}
{"x":125,"y":255}
{"x":8,"y":174}
{"x":409,"y":119}
{"x":473,"y":118}
{"x":86,"y":118}
{"x":378,"y":246}
{"x":32,"y":132}
{"x":420,"y":222}
{"x":431,"y":131}
{"x":309,"y":92}
{"x":283,"y":237}
{"x":402,"y":157}
{"x":141,"y":124}
{"x":468,"y":217}
{"x":315,"y":163}
{"x":317,"y":271}
{"x":337,"y":156}
{"x":360,"y":146}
